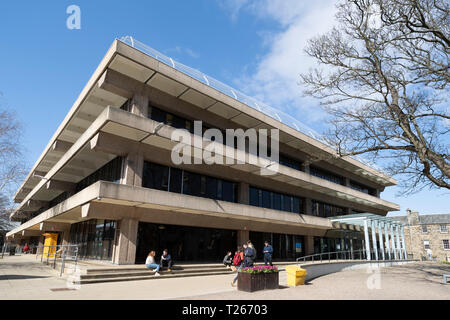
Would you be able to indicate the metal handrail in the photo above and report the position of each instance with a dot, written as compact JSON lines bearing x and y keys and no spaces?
{"x":350,"y":254}
{"x":65,"y":253}
{"x":347,"y":253}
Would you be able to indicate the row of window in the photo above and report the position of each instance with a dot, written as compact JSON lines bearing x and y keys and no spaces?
{"x":156,"y":176}
{"x":362,"y":188}
{"x":325,"y":210}
{"x":274,"y":200}
{"x":443,"y":228}
{"x":326,"y":175}
{"x":445,"y":244}
{"x":176,"y":121}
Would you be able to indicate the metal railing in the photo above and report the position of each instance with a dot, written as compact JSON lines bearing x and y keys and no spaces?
{"x":14,"y":249}
{"x":50,"y":255}
{"x":361,"y":254}
{"x":334,"y":255}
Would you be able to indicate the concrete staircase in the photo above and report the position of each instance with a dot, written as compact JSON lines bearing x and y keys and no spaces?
{"x":88,"y":273}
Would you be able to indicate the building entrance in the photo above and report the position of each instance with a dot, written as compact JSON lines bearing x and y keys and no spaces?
{"x":192,"y":244}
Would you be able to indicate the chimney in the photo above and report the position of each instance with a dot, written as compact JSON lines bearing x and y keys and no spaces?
{"x":412,"y":217}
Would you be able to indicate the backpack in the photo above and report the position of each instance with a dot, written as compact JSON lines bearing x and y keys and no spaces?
{"x":237,"y":259}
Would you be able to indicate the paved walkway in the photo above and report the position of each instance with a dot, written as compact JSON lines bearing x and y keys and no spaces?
{"x":22,"y":277}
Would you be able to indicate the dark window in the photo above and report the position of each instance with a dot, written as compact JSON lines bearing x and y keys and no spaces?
{"x":362,"y":188}
{"x":159,"y":177}
{"x":325,"y":210}
{"x":229,"y":191}
{"x":276,"y":201}
{"x":289,"y":162}
{"x":175,"y":180}
{"x":326,"y":175}
{"x":287,"y":203}
{"x":109,"y":172}
{"x":94,"y":237}
{"x":170,"y":119}
{"x":155,"y":176}
{"x":266,"y":199}
{"x":254,"y":197}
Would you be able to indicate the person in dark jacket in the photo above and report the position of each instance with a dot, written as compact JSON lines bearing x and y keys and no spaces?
{"x":249,"y":255}
{"x":227,"y":260}
{"x":267,"y":251}
{"x":166,"y":259}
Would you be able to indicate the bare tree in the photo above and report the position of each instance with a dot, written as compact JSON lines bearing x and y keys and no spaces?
{"x":12,"y":168}
{"x":383,"y":77}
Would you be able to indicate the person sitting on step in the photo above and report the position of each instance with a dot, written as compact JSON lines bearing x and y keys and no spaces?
{"x":166,"y":259}
{"x":227,"y":260}
{"x":150,"y":262}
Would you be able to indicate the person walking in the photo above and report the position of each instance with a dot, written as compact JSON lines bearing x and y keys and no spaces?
{"x":267,"y":251}
{"x":151,"y":264}
{"x":238,"y":262}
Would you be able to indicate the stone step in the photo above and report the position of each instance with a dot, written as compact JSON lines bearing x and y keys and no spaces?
{"x":142,"y":268}
{"x":121,"y":273}
{"x":149,"y":277}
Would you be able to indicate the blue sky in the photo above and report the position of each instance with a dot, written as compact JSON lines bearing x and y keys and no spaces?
{"x":255,"y":46}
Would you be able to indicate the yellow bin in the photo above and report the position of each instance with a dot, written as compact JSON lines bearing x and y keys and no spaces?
{"x":51,"y":239}
{"x":295,"y":276}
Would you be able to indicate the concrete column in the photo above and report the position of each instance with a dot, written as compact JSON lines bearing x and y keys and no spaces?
{"x":66,"y":237}
{"x":309,"y":245}
{"x":125,"y":244}
{"x":405,"y":254}
{"x":139,"y":105}
{"x":133,"y":167}
{"x":351,"y":249}
{"x":374,"y":239}
{"x":380,"y":238}
{"x":243,"y":193}
{"x":242,"y":237}
{"x":386,"y":236}
{"x":393,"y":242}
{"x":398,"y":242}
{"x":366,"y":239}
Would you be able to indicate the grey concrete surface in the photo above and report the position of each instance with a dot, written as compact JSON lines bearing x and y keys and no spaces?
{"x":22,"y":277}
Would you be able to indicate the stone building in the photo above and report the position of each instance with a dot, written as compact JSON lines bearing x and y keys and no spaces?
{"x":423,"y":232}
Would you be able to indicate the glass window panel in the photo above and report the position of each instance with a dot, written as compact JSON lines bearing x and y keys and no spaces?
{"x":287,"y":203}
{"x":276,"y":201}
{"x":254,"y":196}
{"x":211,"y":187}
{"x":157,"y":114}
{"x":296,"y":205}
{"x":175,"y":180}
{"x":266,"y":199}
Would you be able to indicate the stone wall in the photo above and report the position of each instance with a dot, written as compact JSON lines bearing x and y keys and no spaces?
{"x":414,"y":238}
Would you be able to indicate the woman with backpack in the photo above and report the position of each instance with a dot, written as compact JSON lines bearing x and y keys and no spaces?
{"x":238,"y":262}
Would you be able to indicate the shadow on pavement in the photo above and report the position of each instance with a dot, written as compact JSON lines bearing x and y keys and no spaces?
{"x":18,"y":277}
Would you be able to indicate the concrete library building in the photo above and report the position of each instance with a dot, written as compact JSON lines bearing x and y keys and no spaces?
{"x":106,"y":180}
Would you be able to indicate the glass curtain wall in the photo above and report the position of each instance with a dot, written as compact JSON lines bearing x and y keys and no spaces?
{"x":95,"y":238}
{"x":170,"y":179}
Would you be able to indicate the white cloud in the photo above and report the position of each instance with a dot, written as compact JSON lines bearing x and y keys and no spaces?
{"x":275,"y":79}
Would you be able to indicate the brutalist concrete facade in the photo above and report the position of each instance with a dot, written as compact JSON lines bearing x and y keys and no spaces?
{"x":54,"y":196}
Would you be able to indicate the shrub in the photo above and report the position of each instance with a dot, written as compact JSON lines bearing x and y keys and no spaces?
{"x":260,"y":269}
